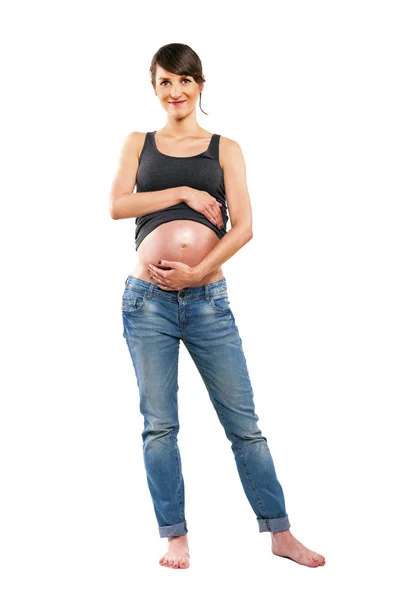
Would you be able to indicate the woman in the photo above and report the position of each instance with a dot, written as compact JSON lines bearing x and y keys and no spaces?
{"x":177,"y":291}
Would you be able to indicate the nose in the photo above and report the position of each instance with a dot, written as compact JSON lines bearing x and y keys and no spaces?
{"x":175,"y":91}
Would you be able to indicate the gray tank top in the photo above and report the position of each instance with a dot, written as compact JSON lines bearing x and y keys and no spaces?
{"x":158,"y":171}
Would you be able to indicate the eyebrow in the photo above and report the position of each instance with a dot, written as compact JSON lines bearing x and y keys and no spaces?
{"x":164,"y":78}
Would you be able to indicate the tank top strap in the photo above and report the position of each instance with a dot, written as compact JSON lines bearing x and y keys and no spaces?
{"x":150,"y":139}
{"x":147,"y":143}
{"x":214,"y":146}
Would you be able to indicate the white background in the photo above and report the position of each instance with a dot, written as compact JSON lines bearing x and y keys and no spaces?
{"x":310,"y":92}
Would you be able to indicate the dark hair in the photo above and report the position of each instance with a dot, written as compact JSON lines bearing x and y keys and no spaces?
{"x":179,"y":59}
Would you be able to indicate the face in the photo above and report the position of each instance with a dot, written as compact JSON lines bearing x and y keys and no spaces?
{"x":170,"y":88}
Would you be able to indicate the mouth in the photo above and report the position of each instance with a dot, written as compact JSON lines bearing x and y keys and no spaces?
{"x":179,"y":102}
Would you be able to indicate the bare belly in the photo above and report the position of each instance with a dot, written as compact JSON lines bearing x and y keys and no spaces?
{"x":181,"y":240}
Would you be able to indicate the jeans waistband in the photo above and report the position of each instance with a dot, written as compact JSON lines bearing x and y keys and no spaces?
{"x":152,"y":289}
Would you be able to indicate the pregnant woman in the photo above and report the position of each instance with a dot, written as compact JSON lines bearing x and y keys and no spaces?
{"x":186,"y":180}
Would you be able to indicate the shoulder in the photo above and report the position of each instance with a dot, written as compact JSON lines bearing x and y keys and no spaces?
{"x":134,"y":143}
{"x":229,"y":151}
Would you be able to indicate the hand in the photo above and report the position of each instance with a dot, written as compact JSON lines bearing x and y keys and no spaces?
{"x":205,"y":204}
{"x":175,"y":276}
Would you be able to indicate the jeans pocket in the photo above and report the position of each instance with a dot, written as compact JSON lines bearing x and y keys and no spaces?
{"x":133,"y":300}
{"x":220,"y":302}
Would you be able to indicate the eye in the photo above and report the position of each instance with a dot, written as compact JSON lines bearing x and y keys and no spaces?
{"x":185,"y":79}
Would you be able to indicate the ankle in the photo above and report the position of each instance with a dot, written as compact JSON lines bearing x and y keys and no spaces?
{"x":280,"y":534}
{"x":177,"y":537}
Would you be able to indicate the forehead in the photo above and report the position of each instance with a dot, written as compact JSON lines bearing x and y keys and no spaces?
{"x":162,"y":74}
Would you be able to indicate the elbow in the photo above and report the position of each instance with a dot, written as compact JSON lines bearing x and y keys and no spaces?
{"x":248,"y":234}
{"x":245,"y":231}
{"x":112,"y":210}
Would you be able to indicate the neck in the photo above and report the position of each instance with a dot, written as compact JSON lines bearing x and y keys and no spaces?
{"x":182,"y":128}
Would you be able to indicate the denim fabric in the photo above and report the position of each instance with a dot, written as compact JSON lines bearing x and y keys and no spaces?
{"x":154,"y":322}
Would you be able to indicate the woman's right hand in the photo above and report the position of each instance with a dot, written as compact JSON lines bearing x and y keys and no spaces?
{"x":205,"y":204}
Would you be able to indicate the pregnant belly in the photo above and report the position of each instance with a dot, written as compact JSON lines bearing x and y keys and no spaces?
{"x":181,"y":240}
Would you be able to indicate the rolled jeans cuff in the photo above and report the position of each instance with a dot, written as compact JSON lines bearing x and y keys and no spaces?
{"x":173,"y":530}
{"x":274,"y":525}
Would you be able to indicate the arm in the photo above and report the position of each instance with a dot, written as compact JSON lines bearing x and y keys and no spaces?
{"x":137,"y":204}
{"x":123,"y":202}
{"x":239,"y":206}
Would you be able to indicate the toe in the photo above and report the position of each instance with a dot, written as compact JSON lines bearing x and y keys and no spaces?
{"x":184,"y":563}
{"x":317,"y":560}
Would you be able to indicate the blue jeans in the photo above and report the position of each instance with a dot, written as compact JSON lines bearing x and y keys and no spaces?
{"x":154,"y":322}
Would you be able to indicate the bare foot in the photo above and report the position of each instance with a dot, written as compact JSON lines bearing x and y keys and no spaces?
{"x":177,"y":555}
{"x":284,"y":544}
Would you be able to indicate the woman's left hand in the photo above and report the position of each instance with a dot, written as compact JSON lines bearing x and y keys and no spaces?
{"x":173,"y":275}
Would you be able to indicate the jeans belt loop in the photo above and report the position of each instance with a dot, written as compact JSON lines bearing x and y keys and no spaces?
{"x":150,"y":290}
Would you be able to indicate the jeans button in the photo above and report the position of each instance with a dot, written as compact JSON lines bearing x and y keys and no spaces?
{"x":182,"y":294}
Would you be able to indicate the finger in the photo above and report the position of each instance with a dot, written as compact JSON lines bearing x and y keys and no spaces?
{"x":157,"y":277}
{"x":166,"y":265}
{"x":212,"y":217}
{"x":216,"y":214}
{"x":157,"y":271}
{"x":159,"y":280}
{"x":219,"y":213}
{"x":155,"y":280}
{"x":163,"y":286}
